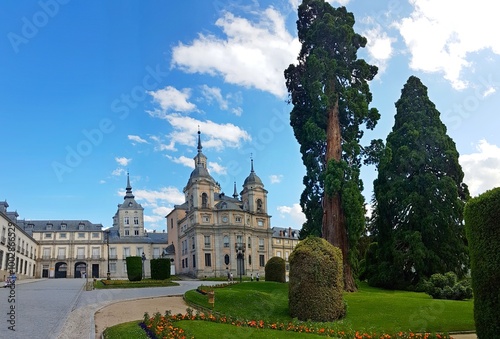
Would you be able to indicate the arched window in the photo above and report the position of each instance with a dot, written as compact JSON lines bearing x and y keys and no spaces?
{"x":191,"y":203}
{"x":249,"y":260}
{"x":226,"y":241}
{"x":259,"y":206}
{"x":204,"y":200}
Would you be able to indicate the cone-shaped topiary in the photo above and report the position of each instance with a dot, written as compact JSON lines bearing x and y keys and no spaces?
{"x":482,"y":225}
{"x":275,"y":270}
{"x":316,"y":281}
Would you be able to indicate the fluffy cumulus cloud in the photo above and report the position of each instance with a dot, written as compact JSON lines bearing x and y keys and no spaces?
{"x":123,"y":161}
{"x":252,"y":53}
{"x":441,"y":35}
{"x":481,"y":168}
{"x":379,"y":44}
{"x":170,"y":99}
{"x":294,"y":212}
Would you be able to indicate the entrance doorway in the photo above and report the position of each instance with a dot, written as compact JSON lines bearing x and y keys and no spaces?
{"x":95,"y":270}
{"x":61,"y":270}
{"x":80,"y":268}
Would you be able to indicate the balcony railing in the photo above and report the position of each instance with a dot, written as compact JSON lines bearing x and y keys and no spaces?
{"x":61,"y":257}
{"x":46,"y":257}
{"x":113,"y":256}
{"x":80,"y":256}
{"x":96,"y":256}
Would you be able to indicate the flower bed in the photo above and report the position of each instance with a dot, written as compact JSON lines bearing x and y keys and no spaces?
{"x":160,"y":326}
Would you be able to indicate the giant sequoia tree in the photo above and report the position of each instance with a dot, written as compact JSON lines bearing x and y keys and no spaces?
{"x":419,"y":196}
{"x":330,"y":94}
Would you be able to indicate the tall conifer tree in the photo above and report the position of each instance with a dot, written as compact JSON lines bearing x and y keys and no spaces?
{"x":329,"y":90}
{"x":419,"y":196}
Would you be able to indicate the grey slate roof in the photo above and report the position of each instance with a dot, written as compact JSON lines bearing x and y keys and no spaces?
{"x":31,"y":226}
{"x":285,"y":233}
{"x":148,"y":238}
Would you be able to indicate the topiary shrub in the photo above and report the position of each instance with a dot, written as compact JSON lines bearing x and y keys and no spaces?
{"x":134,"y":268}
{"x":275,"y":270}
{"x":316,"y":281}
{"x":160,"y":268}
{"x":482,"y":227}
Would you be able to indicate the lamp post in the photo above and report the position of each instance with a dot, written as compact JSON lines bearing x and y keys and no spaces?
{"x":143,"y":260}
{"x":108,"y":275}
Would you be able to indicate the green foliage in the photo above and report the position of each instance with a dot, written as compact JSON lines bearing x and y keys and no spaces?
{"x":445,"y":286}
{"x":316,"y":281}
{"x":128,"y":330}
{"x":328,"y":74}
{"x":134,"y":268}
{"x":420,"y":196}
{"x":482,"y":222}
{"x":160,"y":268}
{"x":275,"y":270}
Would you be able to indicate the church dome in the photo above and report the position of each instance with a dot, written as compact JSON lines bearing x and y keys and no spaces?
{"x":253,"y":179}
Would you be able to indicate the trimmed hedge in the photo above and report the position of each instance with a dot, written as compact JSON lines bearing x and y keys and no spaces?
{"x":134,"y":268}
{"x":316,"y":281}
{"x":160,"y":268}
{"x":482,"y":226}
{"x":446,"y":286}
{"x":275,"y":270}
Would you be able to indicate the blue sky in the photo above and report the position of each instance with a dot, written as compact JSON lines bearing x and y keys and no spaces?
{"x":90,"y":90}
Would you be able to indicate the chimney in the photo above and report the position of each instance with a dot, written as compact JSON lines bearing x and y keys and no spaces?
{"x":289,"y":232}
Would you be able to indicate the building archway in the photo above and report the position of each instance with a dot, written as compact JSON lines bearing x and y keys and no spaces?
{"x":61,"y":270}
{"x":80,"y":268}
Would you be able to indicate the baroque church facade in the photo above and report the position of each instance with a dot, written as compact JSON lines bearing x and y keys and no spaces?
{"x":214,"y":234}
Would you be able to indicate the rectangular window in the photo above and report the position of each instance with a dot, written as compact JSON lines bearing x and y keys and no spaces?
{"x":46,"y":253}
{"x":156,"y":253}
{"x":48,"y":235}
{"x":238,"y":219}
{"x":126,"y":252}
{"x":112,"y":267}
{"x":136,"y":232}
{"x":207,"y":241}
{"x":112,"y":253}
{"x":95,"y":235}
{"x":208,"y":259}
{"x":140,"y":250}
{"x":192,"y":243}
{"x":127,"y":232}
{"x":96,"y":253}
{"x":62,"y":235}
{"x":125,"y":267}
{"x":194,"y":261}
{"x":136,"y":220}
{"x":262,"y":261}
{"x":261,"y":244}
{"x":61,"y":253}
{"x":260,"y":222}
{"x":126,"y":220}
{"x":80,"y":253}
{"x":278,"y":254}
{"x":81,"y":235}
{"x":172,"y":223}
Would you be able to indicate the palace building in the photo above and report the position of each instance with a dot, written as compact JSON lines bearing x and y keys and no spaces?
{"x":210,"y":235}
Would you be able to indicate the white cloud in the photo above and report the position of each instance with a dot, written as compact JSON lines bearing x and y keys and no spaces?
{"x":253,"y":54}
{"x":160,"y":146}
{"x":214,"y":135}
{"x":276,"y":178}
{"x":481,"y":169}
{"x":216,"y":168}
{"x":171,"y":99}
{"x":123,"y":161}
{"x":137,"y":139}
{"x":489,"y":92}
{"x":441,"y":34}
{"x":117,"y":172}
{"x":183,"y":160}
{"x":294,"y":211}
{"x":102,"y":181}
{"x":379,"y":45}
{"x":214,"y":94}
{"x":169,"y":195}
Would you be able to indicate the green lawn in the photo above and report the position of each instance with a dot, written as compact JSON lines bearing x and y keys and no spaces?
{"x":369,"y":310}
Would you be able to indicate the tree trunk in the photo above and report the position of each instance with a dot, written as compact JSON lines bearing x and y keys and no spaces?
{"x":334,"y":226}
